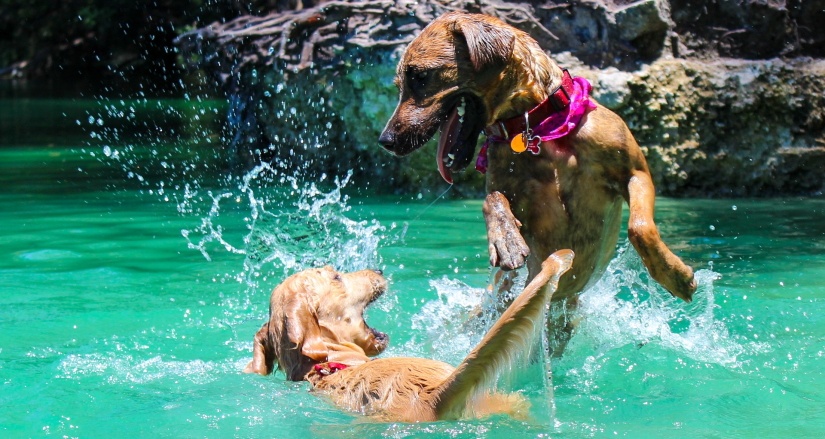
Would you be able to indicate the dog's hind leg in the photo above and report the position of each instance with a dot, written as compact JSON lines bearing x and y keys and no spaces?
{"x":661,"y":263}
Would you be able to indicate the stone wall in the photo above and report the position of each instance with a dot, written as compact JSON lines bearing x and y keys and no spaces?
{"x":725,"y":127}
{"x":726,"y":97}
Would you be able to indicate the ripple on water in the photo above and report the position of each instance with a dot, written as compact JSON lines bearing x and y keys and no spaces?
{"x":48,"y":255}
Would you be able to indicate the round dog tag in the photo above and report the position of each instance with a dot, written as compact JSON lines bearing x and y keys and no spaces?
{"x":518,"y":144}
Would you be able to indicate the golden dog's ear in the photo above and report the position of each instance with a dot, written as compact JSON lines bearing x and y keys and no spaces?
{"x":263,"y":353}
{"x":304,"y":331}
{"x":487,"y":43}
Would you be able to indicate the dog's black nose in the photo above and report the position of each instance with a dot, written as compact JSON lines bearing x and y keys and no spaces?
{"x":379,"y":271}
{"x":387,"y":139}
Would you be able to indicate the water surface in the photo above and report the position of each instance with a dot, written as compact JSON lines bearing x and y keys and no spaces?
{"x":133,"y":276}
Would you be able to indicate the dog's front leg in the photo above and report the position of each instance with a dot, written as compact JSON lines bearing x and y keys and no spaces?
{"x":662,"y":264}
{"x":505,"y":243}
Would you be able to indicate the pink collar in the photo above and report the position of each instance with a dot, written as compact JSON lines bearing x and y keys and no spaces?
{"x":552,"y":119}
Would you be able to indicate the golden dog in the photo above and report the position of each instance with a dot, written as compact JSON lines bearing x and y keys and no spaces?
{"x":468,"y":73}
{"x":316,"y":331}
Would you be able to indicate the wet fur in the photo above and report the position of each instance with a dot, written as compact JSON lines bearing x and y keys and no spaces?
{"x":395,"y":389}
{"x":317,"y":316}
{"x":571,"y":194}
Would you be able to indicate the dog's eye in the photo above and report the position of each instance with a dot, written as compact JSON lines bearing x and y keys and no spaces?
{"x":337,"y":277}
{"x":418,"y":80}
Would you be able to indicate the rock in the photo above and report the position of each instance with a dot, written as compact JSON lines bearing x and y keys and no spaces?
{"x":643,"y":25}
{"x":725,"y":128}
{"x":751,"y":29}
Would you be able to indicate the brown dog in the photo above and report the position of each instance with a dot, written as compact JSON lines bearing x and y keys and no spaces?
{"x":316,"y":331}
{"x":469,"y":73}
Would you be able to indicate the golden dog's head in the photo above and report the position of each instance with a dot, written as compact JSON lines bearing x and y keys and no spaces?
{"x":463,"y":72}
{"x":317,"y":316}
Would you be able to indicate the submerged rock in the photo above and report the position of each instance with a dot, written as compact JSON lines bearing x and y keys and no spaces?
{"x":720,"y":107}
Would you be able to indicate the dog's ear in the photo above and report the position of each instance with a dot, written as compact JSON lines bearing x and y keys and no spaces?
{"x":304,"y":332}
{"x":263,"y":353}
{"x":488,"y":44}
{"x":294,"y":331}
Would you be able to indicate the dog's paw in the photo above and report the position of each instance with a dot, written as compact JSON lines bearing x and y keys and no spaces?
{"x":507,"y":247}
{"x":682,"y":284}
{"x":509,"y":252}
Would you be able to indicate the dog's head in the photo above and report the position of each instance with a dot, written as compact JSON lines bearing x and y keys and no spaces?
{"x":317,"y":316}
{"x":459,"y":74}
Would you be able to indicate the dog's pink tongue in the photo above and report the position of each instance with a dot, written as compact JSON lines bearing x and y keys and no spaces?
{"x":449,"y":135}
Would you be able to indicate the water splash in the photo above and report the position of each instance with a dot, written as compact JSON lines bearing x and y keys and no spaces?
{"x":280,"y":216}
{"x":464,"y":311}
{"x":289,"y":228}
{"x":465,"y":314}
{"x":626,"y":307}
{"x":448,"y":314}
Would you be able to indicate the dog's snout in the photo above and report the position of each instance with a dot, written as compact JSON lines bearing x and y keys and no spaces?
{"x":380,"y":337}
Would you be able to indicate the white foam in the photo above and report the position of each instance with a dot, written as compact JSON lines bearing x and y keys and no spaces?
{"x":626,"y":307}
{"x":118,"y":368}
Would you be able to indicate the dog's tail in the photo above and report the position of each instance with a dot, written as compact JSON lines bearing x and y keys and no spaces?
{"x":510,"y":335}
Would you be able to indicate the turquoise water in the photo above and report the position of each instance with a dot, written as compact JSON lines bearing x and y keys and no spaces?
{"x":133,"y":276}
